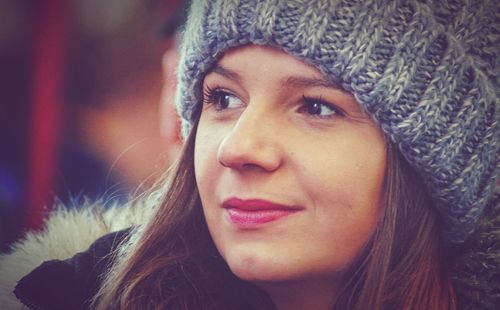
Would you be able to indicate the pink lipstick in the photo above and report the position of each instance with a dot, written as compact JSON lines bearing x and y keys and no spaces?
{"x":254,"y":212}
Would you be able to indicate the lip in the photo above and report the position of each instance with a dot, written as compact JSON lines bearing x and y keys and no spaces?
{"x":252,"y":213}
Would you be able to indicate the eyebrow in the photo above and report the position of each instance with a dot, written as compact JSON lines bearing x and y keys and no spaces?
{"x":229,"y":74}
{"x":291,"y":81}
{"x":304,"y":82}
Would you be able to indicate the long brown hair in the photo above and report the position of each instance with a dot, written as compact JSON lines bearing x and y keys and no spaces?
{"x":173,"y":264}
{"x":403,"y":266}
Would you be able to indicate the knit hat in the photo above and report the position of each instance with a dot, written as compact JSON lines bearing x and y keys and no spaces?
{"x":427,"y":72}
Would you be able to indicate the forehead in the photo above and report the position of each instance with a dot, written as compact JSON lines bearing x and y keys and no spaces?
{"x":266,"y":60}
{"x":266,"y":63}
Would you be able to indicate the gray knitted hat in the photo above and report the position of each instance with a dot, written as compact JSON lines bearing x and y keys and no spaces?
{"x":426,"y":71}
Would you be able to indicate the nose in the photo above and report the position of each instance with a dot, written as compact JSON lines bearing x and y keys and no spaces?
{"x":251,"y":143}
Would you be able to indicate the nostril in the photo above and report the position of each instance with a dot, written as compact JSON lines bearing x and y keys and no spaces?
{"x":237,"y":164}
{"x":247,"y":160}
{"x":250,"y":166}
{"x":222,"y":162}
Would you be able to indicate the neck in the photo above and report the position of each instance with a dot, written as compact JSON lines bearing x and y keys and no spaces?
{"x":303,"y":294}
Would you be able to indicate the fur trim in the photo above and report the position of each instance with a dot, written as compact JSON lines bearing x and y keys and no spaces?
{"x":66,"y":232}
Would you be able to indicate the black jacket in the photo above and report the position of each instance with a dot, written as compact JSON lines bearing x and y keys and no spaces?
{"x":71,"y":283}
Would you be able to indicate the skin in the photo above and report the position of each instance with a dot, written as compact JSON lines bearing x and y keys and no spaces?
{"x":258,"y":138}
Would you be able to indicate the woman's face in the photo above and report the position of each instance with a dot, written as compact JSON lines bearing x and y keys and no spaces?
{"x":289,"y":168}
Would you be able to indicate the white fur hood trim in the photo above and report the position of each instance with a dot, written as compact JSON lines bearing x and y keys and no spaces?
{"x":66,"y":232}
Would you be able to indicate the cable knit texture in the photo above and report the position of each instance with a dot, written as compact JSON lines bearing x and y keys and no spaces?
{"x":427,"y":72}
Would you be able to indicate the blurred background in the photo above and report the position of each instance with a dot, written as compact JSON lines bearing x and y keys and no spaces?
{"x":86,"y":103}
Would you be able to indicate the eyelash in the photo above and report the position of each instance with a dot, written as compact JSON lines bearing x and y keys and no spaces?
{"x":212,"y":96}
{"x":337,"y":112}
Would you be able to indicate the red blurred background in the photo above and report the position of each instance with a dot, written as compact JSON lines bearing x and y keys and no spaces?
{"x":86,"y":111}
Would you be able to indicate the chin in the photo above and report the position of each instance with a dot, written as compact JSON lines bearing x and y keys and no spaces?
{"x":259,"y":269}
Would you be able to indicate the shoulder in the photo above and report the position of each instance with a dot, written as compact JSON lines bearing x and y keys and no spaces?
{"x":476,"y":271}
{"x":67,"y":231}
{"x":70,"y":283}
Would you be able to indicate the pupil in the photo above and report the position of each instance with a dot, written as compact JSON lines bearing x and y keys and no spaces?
{"x":315,"y":108}
{"x":223,"y":100}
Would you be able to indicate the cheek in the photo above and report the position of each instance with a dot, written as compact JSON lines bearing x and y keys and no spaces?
{"x":345,"y":174}
{"x":207,"y":170}
{"x":207,"y":174}
{"x":345,"y":188}
{"x":205,"y":155}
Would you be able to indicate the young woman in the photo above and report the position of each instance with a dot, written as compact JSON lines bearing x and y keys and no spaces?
{"x":337,"y":154}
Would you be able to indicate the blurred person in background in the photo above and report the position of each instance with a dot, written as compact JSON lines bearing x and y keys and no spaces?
{"x":115,"y":91}
{"x":81,"y":116}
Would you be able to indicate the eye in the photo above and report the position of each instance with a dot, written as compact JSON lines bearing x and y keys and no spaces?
{"x":220,"y":99}
{"x":317,"y":107}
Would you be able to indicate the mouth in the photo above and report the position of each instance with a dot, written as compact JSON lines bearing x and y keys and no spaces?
{"x":252,"y":213}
